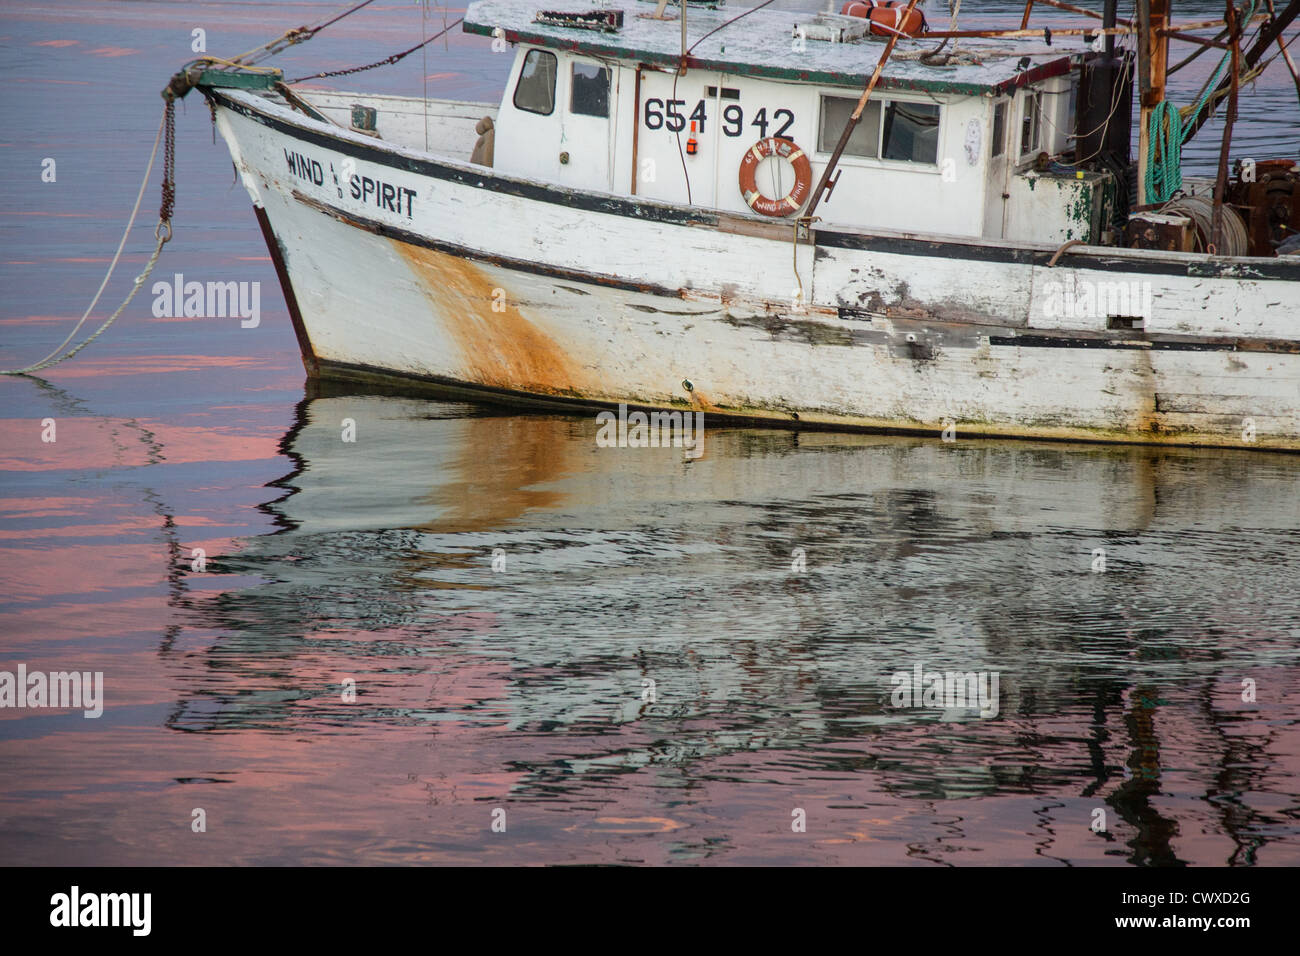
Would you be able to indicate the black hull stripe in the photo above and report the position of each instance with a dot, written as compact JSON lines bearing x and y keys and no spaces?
{"x":653,"y":211}
{"x":1279,"y":269}
{"x":1170,"y":344}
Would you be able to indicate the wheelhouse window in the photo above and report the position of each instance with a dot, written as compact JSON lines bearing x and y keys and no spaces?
{"x":589,"y":90}
{"x":911,"y":132}
{"x":999,"y":129}
{"x":1029,"y":124}
{"x":907,"y":132}
{"x":535,"y":91}
{"x":865,"y":140}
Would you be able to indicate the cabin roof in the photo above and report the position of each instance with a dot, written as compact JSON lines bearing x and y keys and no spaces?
{"x":760,"y":45}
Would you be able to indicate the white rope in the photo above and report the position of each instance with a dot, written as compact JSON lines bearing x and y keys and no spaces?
{"x":139,"y":280}
{"x":1200,"y":209}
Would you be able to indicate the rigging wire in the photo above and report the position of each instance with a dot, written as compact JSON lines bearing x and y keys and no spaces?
{"x":1104,"y":124}
{"x":424,"y":69}
{"x":387,"y":61}
{"x":291,"y":37}
{"x":723,"y":26}
{"x":681,"y":155}
{"x":1208,"y":94}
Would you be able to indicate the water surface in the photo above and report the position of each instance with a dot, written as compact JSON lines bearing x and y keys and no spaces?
{"x":770,"y":589}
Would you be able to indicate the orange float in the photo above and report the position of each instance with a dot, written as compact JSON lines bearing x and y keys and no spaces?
{"x":887,"y":17}
{"x":786,"y":149}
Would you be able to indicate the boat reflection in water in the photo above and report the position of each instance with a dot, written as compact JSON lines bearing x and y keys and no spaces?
{"x":645,"y":657}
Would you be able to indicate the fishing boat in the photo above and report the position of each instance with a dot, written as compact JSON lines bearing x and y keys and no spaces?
{"x":850,"y":219}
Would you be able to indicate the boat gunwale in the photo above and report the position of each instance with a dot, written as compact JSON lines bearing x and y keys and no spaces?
{"x":260,"y":108}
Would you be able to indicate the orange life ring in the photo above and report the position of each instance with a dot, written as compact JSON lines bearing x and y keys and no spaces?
{"x":772,"y":146}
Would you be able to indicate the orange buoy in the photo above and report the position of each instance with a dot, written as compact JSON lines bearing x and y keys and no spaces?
{"x":886,"y":17}
{"x":789,"y":203}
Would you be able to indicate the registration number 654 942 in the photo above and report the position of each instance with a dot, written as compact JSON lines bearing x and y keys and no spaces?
{"x":672,"y":116}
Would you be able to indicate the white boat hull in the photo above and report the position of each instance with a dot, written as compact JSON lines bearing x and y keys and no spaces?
{"x":508,"y":289}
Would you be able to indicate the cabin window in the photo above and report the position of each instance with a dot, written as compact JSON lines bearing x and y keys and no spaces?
{"x":1029,"y":124}
{"x":535,"y":91}
{"x":589,"y":90}
{"x":887,"y":130}
{"x":865,"y":140}
{"x":999,"y":129}
{"x":911,"y":132}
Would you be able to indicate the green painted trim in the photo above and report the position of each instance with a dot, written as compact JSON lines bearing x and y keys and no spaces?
{"x":231,"y":80}
{"x":590,"y":46}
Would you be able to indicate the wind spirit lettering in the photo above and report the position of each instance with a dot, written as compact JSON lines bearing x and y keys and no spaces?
{"x":371,"y":191}
{"x":950,"y":689}
{"x":683,"y":430}
{"x":74,"y":690}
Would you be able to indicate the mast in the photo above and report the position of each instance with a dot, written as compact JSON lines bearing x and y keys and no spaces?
{"x":1153,"y":61}
{"x":1221,"y":180}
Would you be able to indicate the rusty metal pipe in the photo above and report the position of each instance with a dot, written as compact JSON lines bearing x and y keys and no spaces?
{"x":857,"y":114}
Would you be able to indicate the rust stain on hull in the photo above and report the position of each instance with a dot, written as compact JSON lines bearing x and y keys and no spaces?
{"x":1148,"y":417}
{"x":501,"y":349}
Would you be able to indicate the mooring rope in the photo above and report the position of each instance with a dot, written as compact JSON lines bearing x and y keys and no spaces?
{"x":162,"y":232}
{"x":167,"y":136}
{"x":290,"y":37}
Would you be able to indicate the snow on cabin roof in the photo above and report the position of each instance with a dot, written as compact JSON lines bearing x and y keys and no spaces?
{"x":760,"y":45}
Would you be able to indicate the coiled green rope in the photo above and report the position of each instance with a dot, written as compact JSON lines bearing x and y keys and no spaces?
{"x":1166,"y":135}
{"x":1164,"y":154}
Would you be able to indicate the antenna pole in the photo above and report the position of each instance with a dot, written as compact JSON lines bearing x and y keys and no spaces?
{"x":683,"y":3}
{"x":1221,"y":180}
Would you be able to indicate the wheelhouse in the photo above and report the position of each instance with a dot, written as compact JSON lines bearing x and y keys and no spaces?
{"x":956,"y":148}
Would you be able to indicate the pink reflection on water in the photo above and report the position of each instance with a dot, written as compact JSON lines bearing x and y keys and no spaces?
{"x":84,"y":443}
